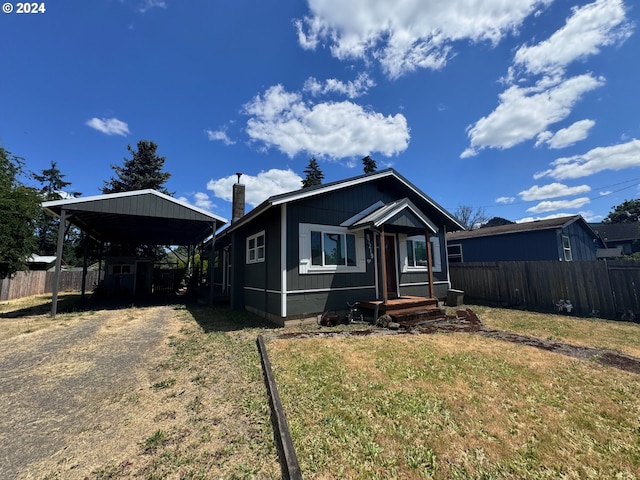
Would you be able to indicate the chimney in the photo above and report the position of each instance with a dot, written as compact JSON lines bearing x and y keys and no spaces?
{"x":237,"y":207}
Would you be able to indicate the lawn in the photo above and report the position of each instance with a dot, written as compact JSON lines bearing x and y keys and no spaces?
{"x":463,"y":406}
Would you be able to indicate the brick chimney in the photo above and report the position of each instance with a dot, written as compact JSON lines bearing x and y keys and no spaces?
{"x":237,"y":206}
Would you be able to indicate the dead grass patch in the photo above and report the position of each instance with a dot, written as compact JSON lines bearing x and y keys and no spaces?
{"x":454,"y":406}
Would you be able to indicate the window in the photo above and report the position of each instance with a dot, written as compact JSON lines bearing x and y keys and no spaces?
{"x":325,"y":248}
{"x":255,"y":248}
{"x":455,"y":253}
{"x":414,"y":251}
{"x":566,"y":247}
{"x":121,"y":269}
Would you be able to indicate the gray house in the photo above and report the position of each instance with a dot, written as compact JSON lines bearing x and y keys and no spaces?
{"x":371,"y":237}
{"x":562,"y":239}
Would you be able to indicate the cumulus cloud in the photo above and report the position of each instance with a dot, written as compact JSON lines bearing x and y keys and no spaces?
{"x":259,"y":187}
{"x":552,"y":190}
{"x":565,"y":137}
{"x":283,"y":120}
{"x":589,"y":28}
{"x":352,"y":88}
{"x":525,"y":112}
{"x":588,"y":215}
{"x":615,"y":157}
{"x":550,"y":206}
{"x":505,"y":200}
{"x":219,"y":135}
{"x":200,"y":200}
{"x":405,"y":35}
{"x":109,"y":126}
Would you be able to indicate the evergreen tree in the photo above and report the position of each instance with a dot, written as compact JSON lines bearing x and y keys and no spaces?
{"x":369,"y":164}
{"x":142,"y":171}
{"x":627,"y":212}
{"x":313,"y":174}
{"x":52,"y":186}
{"x":19,"y":206}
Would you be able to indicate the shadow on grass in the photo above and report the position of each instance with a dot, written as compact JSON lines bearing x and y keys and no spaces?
{"x":220,"y":318}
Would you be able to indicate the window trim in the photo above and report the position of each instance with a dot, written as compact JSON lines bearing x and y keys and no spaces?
{"x":566,"y":249}
{"x":436,"y":254}
{"x":255,"y":249}
{"x":306,"y":265}
{"x":455,"y":257}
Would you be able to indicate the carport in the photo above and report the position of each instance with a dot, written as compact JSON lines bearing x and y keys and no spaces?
{"x":142,"y":217}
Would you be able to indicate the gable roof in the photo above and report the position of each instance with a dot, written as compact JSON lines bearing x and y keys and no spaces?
{"x":416,"y":195}
{"x":617,"y":232}
{"x":401,"y":212}
{"x":141,"y":216}
{"x":537,"y":225}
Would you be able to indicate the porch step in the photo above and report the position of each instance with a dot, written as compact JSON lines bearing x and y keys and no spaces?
{"x":400,"y":304}
{"x":414,"y":316}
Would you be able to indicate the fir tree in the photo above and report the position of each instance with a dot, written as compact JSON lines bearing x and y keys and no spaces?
{"x":142,"y":171}
{"x":369,"y":164}
{"x":313,"y":174}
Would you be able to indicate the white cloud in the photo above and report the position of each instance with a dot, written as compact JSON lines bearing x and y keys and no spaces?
{"x":404,"y":35}
{"x":257,"y":188}
{"x":565,"y":137}
{"x":200,"y":200}
{"x":615,"y":157}
{"x":147,"y":5}
{"x":352,"y":89}
{"x":109,"y":126}
{"x":505,"y":200}
{"x":550,"y":206}
{"x":590,"y":27}
{"x":553,"y":190}
{"x":525,"y":112}
{"x":285,"y":121}
{"x":219,"y":135}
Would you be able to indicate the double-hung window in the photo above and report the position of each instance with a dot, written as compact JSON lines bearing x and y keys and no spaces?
{"x":255,"y":248}
{"x":325,"y":248}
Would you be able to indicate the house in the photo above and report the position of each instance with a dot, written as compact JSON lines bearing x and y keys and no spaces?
{"x":562,"y":239}
{"x":622,"y":236}
{"x":313,"y":250}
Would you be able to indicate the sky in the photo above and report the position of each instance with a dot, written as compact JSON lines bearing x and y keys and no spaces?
{"x":527,"y":109}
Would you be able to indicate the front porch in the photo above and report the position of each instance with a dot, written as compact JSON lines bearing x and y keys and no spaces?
{"x":405,"y":310}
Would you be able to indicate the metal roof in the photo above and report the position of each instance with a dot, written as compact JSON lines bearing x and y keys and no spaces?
{"x":139,"y":217}
{"x":516,"y":228}
{"x":417,"y":196}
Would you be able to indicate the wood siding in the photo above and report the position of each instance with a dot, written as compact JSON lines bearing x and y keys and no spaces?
{"x":610,"y":288}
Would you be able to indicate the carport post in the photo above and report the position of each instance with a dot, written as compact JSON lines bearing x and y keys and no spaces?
{"x":56,"y":276}
{"x":212,"y":256}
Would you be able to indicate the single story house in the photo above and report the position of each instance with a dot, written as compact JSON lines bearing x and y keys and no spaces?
{"x":302,"y":253}
{"x":562,"y":239}
{"x":625,"y":236}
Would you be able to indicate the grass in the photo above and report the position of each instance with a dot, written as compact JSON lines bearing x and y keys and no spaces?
{"x":461,"y":406}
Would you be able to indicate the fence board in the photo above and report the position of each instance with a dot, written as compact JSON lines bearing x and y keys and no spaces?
{"x":26,"y":284}
{"x":608,"y":287}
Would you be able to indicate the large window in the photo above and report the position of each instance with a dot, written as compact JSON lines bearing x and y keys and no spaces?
{"x":325,"y":248}
{"x":414,"y":251}
{"x":566,"y":247}
{"x":255,"y":248}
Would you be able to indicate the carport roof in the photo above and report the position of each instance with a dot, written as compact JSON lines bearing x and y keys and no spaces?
{"x":141,"y":217}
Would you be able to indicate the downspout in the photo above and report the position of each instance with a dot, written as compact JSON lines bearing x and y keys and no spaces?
{"x":56,"y":276}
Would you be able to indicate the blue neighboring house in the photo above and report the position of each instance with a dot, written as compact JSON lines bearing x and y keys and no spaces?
{"x":562,"y":239}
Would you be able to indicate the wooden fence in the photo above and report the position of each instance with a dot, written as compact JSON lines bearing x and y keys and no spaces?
{"x":608,"y":289}
{"x":25,"y":284}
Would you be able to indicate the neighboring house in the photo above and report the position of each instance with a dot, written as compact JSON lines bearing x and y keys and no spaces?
{"x":562,"y":239}
{"x":315,"y":249}
{"x":625,"y":236}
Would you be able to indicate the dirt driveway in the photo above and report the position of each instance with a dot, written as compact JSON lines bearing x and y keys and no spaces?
{"x":58,"y":384}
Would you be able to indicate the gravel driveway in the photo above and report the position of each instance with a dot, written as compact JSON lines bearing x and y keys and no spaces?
{"x":54,"y":382}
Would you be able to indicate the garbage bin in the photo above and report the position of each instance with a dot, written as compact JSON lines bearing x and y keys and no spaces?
{"x":455,"y":298}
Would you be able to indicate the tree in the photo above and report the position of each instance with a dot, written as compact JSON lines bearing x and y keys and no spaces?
{"x":627,"y":212}
{"x":496,"y":222}
{"x":469,"y":217}
{"x":19,"y":206}
{"x":313,"y":174}
{"x":369,"y":164}
{"x":52,"y":186}
{"x":142,"y":171}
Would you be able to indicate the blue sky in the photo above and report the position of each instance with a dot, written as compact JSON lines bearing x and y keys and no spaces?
{"x":527,"y":108}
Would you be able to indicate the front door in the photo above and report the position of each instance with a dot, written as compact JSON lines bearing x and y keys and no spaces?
{"x":390,"y":266}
